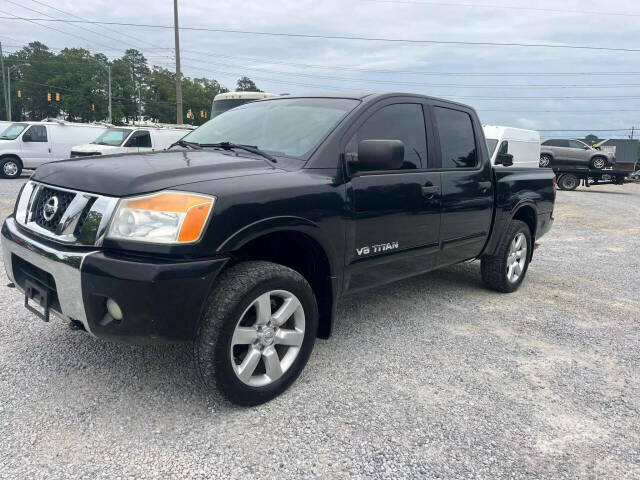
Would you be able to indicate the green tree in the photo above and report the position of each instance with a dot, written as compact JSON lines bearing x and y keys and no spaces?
{"x":245,"y":84}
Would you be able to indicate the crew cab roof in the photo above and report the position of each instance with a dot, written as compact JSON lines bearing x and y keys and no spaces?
{"x":364,"y":96}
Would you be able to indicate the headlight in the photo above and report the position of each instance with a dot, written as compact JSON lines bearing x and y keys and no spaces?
{"x":165,"y":217}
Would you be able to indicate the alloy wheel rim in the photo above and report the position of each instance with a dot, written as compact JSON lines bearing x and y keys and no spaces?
{"x":267,"y":338}
{"x":598,"y":163}
{"x":517,"y":257}
{"x":10,"y":169}
{"x":544,"y":161}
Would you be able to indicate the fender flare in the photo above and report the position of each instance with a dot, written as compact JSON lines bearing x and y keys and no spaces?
{"x":507,"y":219}
{"x":279,"y":224}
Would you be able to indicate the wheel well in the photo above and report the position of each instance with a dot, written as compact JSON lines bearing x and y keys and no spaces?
{"x":597,"y":155}
{"x":303,"y":254}
{"x":527,"y":215}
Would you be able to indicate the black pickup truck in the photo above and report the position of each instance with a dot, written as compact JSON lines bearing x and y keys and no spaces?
{"x":242,"y":238}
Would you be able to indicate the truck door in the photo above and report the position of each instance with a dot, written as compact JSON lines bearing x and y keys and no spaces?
{"x":35,"y":146}
{"x":139,"y":141}
{"x":395,"y":214}
{"x":467,"y":186}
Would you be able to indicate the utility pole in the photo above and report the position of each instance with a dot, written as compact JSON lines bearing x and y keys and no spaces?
{"x":4,"y":85}
{"x":110,"y":112}
{"x":632,"y":132}
{"x":178,"y":74}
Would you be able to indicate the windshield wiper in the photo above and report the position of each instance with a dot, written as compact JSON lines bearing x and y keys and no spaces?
{"x":248,"y":148}
{"x":187,"y":144}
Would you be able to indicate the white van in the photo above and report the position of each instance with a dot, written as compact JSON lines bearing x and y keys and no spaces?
{"x":226,"y":101}
{"x":30,"y":144}
{"x":523,"y":144}
{"x":138,"y":139}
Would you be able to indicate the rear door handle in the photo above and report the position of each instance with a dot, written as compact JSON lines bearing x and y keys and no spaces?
{"x":484,"y":186}
{"x":429,"y":191}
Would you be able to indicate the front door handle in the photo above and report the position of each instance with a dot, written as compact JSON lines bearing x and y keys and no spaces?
{"x":429,"y":191}
{"x":484,"y":186}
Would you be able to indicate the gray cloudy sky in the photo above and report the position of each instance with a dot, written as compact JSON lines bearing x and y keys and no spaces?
{"x":285,"y":64}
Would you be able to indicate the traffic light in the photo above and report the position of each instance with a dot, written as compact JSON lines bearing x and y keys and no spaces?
{"x":48,"y":97}
{"x":19,"y":94}
{"x":93,"y":107}
{"x":57,"y":97}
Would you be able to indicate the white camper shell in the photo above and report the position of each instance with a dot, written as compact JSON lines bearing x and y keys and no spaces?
{"x":30,"y":144}
{"x":523,"y":144}
{"x":226,"y":101}
{"x":132,"y":139}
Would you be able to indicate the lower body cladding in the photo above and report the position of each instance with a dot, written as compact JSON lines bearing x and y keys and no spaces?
{"x":114,"y":297}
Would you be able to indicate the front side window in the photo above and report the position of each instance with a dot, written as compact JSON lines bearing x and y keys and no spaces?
{"x":457,"y":140}
{"x":13,"y":131}
{"x":37,"y":133}
{"x":504,"y":148}
{"x":290,"y":127}
{"x":403,"y":121}
{"x":113,"y":137}
{"x":576,"y":144}
{"x":140,"y":139}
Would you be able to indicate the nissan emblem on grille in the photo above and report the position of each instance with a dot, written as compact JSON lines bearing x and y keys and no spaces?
{"x":50,"y":208}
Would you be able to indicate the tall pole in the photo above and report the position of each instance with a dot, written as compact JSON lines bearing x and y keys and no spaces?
{"x":110,"y":112}
{"x":4,"y":85}
{"x":9,"y":96}
{"x":179,"y":118}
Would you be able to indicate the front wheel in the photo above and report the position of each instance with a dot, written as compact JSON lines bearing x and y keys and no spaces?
{"x":598,"y":163}
{"x":257,"y":332}
{"x":545,"y":161}
{"x":505,"y":270}
{"x":10,"y":168}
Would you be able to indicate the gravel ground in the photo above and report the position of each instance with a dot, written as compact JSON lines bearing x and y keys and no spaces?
{"x":429,"y":377}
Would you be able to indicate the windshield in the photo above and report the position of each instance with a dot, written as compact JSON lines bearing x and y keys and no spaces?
{"x":113,"y":137}
{"x":12,"y":132}
{"x":290,"y":127}
{"x":491,"y":145}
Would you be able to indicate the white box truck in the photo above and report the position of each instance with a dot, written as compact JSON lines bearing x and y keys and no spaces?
{"x":30,"y":144}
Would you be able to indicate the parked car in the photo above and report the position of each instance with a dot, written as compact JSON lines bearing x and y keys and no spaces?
{"x":30,"y":144}
{"x":523,"y":144}
{"x":226,"y":101}
{"x":558,"y":152}
{"x":149,"y":138}
{"x":243,"y":240}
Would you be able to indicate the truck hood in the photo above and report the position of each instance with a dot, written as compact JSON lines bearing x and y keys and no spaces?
{"x":132,"y":174}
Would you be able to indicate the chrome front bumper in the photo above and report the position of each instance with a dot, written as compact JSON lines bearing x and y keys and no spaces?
{"x":63,"y":264}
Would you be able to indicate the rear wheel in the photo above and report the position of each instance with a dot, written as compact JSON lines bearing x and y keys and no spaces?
{"x":568,"y":181}
{"x":10,"y":167}
{"x":505,"y":270}
{"x":545,"y":160}
{"x":257,"y":332}
{"x":598,"y":163}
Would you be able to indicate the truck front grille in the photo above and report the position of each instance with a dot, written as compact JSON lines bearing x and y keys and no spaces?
{"x":62,"y":201}
{"x":61,"y":215}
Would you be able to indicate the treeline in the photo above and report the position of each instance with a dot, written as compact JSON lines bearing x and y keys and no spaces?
{"x":81,"y":79}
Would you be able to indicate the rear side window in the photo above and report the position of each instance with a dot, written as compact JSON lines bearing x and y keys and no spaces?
{"x":402,"y":121}
{"x":556,"y":143}
{"x":140,"y":139}
{"x":457,"y":140}
{"x":37,"y":133}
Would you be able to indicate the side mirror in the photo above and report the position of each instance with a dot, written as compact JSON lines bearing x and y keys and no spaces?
{"x":505,"y":159}
{"x":380,"y":155}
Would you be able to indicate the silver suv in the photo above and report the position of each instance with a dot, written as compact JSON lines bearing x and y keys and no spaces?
{"x":558,"y":152}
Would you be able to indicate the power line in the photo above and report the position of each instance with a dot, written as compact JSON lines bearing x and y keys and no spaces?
{"x":507,"y":7}
{"x":335,"y":37}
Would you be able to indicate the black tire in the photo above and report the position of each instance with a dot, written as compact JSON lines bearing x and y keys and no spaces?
{"x":545,"y":161}
{"x":568,"y":181}
{"x":234,"y":292}
{"x":10,"y":167}
{"x":598,"y":163}
{"x":494,"y":268}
